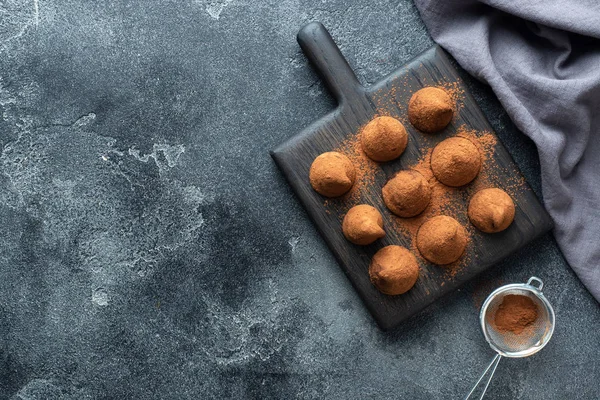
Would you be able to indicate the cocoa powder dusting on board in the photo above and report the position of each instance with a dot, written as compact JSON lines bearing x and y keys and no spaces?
{"x":394,"y":100}
{"x":456,"y":92}
{"x":453,"y":202}
{"x":445,"y":200}
{"x":485,"y":141}
{"x":391,"y":103}
{"x":489,"y":176}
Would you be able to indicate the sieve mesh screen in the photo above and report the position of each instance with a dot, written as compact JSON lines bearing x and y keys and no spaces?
{"x":530,"y":338}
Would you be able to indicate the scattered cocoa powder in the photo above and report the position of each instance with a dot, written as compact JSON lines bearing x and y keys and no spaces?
{"x":430,"y":109}
{"x":451,"y":201}
{"x":407,"y":194}
{"x":456,"y":93}
{"x":485,"y":141}
{"x":384,"y":138}
{"x":489,"y":176}
{"x":515,"y":314}
{"x":444,"y":200}
{"x":394,"y":270}
{"x":390,"y":100}
{"x":491,"y":210}
{"x":441,"y":240}
{"x":387,"y":102}
{"x":332,"y":174}
{"x":441,"y":198}
{"x":363,"y":225}
{"x":455,"y":161}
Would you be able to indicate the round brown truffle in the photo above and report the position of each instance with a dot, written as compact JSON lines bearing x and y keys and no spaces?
{"x":407,"y":194}
{"x":363,"y":225}
{"x":430,"y":109}
{"x":491,"y":210}
{"x":394,"y":270}
{"x":441,"y":240}
{"x":455,"y":161}
{"x":384,"y":138}
{"x":332,"y":174}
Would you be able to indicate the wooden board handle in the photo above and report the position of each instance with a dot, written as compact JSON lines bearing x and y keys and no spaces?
{"x":326,"y":57}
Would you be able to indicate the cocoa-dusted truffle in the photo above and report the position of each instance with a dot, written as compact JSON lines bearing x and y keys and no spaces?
{"x":332,"y":174}
{"x":363,"y":225}
{"x":491,"y":210}
{"x":455,"y":161}
{"x":384,"y":138}
{"x":441,"y":240}
{"x":407,"y":194}
{"x":430,"y":109}
{"x":394,"y":270}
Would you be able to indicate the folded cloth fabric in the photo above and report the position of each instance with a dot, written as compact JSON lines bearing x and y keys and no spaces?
{"x":542,"y":59}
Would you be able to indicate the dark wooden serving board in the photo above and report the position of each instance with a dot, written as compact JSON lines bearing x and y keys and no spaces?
{"x":356,"y":106}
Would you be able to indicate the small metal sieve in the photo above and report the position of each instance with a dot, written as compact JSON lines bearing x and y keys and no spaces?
{"x":508,"y":344}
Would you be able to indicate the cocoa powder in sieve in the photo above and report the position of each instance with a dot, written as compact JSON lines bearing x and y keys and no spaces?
{"x":515,"y":314}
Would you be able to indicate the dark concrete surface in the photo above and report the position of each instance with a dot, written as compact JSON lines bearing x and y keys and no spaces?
{"x":150,"y":249}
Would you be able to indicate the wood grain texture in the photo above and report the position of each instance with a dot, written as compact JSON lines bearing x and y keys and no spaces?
{"x":356,"y":106}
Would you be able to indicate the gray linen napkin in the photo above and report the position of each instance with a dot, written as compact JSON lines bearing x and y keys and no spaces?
{"x":542,"y":59}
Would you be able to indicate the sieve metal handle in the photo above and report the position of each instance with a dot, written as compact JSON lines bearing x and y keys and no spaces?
{"x":494,"y":364}
{"x":539,"y":282}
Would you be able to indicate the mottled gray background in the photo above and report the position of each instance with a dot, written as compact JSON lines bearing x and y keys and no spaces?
{"x":149,"y":247}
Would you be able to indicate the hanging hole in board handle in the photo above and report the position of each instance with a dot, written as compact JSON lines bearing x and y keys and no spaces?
{"x":538,"y":281}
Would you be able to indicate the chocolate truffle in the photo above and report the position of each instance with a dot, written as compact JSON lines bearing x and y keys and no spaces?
{"x":384,"y":138}
{"x":394,"y":270}
{"x":491,"y":210}
{"x":332,"y":174}
{"x":441,"y":240}
{"x":455,"y":161}
{"x":407,"y":194}
{"x":430,"y":109}
{"x":363,"y":225}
